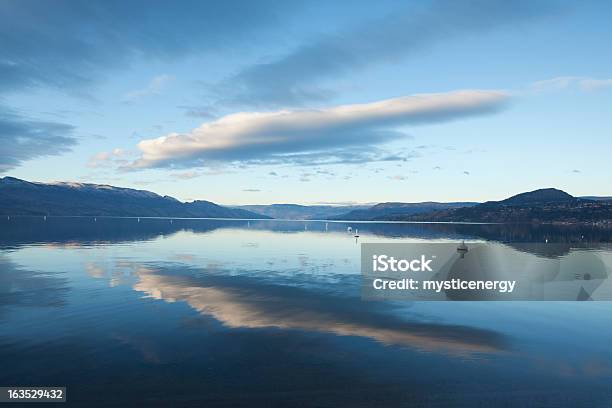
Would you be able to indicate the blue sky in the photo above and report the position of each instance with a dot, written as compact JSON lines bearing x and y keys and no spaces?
{"x":309,"y":102}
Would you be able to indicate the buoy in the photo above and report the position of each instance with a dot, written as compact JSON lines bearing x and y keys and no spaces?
{"x":462,"y":249}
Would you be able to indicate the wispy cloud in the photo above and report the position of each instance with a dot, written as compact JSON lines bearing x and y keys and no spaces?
{"x":105,"y":159}
{"x":68,"y":46}
{"x":288,"y":135}
{"x":356,"y":155}
{"x":299,"y":76}
{"x":202,"y":112}
{"x":582,"y":83}
{"x":186,"y":175}
{"x":74,"y":44}
{"x":591,"y":84}
{"x":25,"y":139}
{"x":154,"y":87}
{"x":191,"y":174}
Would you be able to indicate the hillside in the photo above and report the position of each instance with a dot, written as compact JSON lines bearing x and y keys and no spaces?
{"x":302,"y":212}
{"x":536,"y":197}
{"x":384,"y":210}
{"x":19,"y":197}
{"x":348,"y":213}
{"x":539,"y":206}
{"x":597,"y":198}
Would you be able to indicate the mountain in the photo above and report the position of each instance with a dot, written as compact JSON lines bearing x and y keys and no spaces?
{"x":348,"y":212}
{"x":597,"y":198}
{"x":541,"y":196}
{"x":384,"y":210}
{"x":540,"y":206}
{"x":302,"y":212}
{"x":20,"y":197}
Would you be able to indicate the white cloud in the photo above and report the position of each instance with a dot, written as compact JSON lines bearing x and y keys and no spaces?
{"x":261,"y":136}
{"x":187,"y":175}
{"x":155,"y":86}
{"x":590,"y":84}
{"x":569,"y":82}
{"x":104,"y":159}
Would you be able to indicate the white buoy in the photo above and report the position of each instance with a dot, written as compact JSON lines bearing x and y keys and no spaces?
{"x":170,"y":221}
{"x":95,"y":219}
{"x":138,"y":219}
{"x":45,"y":218}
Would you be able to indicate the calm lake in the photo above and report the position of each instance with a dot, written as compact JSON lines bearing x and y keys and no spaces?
{"x":159,"y":312}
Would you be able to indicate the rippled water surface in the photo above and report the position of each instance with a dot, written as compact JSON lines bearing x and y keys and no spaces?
{"x":158,"y":312}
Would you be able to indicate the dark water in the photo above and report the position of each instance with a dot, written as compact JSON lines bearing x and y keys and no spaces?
{"x":237,"y":313}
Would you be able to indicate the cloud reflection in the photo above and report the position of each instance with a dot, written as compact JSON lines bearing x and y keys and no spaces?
{"x":19,"y":287}
{"x":239,"y":302}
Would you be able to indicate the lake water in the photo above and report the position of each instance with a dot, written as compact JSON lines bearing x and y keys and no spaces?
{"x":158,"y":312}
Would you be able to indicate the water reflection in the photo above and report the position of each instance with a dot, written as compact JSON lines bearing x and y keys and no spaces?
{"x":245,"y":303}
{"x":21,"y":287}
{"x":19,"y":231}
{"x":542,"y":272}
{"x":222,"y":313}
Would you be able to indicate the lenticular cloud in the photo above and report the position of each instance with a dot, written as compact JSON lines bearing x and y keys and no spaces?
{"x":269,"y":135}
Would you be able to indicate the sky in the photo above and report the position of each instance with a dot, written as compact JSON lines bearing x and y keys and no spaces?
{"x":309,"y":102}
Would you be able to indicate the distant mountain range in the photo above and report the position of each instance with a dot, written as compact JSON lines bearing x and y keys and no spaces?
{"x":19,"y":197}
{"x":303,"y":212}
{"x":540,"y":206}
{"x":397,"y":211}
{"x":383,"y":211}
